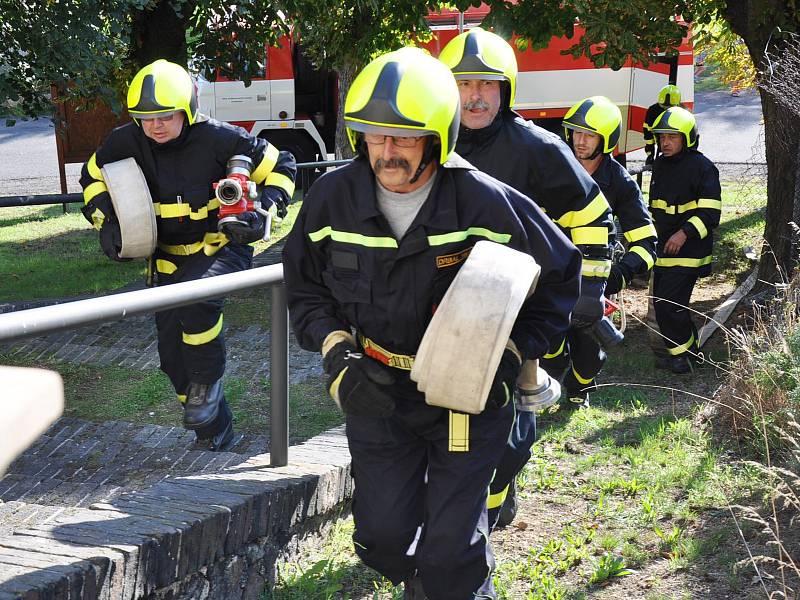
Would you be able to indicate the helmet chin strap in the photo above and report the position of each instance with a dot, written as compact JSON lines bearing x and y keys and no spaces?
{"x":427,"y":157}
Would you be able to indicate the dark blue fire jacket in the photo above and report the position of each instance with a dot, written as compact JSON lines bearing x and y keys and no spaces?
{"x":540,"y":165}
{"x":627,"y":204}
{"x":344,"y":268}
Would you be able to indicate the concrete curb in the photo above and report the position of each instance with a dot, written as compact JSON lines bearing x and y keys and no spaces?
{"x":202,"y":536}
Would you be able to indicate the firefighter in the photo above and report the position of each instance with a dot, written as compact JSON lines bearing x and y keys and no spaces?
{"x":538,"y":164}
{"x":181,"y":153}
{"x":374,"y":248}
{"x":686,"y":203}
{"x":592,"y":129}
{"x":669,"y":95}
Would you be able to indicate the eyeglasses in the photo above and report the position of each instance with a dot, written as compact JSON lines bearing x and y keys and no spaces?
{"x":400,"y":141}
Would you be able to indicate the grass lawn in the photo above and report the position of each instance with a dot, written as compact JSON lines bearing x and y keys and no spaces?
{"x":46,"y":254}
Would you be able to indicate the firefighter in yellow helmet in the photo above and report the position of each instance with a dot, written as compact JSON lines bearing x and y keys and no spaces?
{"x":375,"y":247}
{"x":181,"y":153}
{"x":538,"y":164}
{"x":669,"y":95}
{"x":592,"y":128}
{"x":686,"y":203}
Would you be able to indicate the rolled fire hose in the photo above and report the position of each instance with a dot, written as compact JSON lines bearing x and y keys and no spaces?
{"x":32,"y":400}
{"x":133,"y":206}
{"x":464,"y":342}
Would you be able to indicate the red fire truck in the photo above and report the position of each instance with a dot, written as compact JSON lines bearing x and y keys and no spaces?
{"x":294,"y":105}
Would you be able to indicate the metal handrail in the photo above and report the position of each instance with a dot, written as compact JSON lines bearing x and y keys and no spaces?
{"x":44,"y":199}
{"x":49,"y":319}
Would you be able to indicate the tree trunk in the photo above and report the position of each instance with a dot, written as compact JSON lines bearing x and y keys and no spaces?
{"x":346,"y":76}
{"x":782,"y":140}
{"x":748,"y":19}
{"x":160,"y":33}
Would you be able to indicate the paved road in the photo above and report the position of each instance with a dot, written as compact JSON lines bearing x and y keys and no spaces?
{"x":731,"y":131}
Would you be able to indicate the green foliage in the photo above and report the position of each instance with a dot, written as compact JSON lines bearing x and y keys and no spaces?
{"x":347,"y":34}
{"x":607,"y":567}
{"x":725,"y":53}
{"x":44,"y":43}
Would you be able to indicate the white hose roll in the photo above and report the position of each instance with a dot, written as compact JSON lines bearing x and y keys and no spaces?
{"x":32,"y":400}
{"x":133,"y":206}
{"x":462,"y":346}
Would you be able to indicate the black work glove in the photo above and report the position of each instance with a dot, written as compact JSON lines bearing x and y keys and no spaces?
{"x":249,"y":227}
{"x":358,"y":383}
{"x":271,"y":196}
{"x":587,"y":311}
{"x":502,"y":390}
{"x":618,"y":279}
{"x":111,"y":239}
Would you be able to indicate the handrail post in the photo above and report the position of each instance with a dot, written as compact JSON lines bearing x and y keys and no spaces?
{"x":279,"y":379}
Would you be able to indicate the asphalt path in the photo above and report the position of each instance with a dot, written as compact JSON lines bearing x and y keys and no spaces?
{"x":731,"y":131}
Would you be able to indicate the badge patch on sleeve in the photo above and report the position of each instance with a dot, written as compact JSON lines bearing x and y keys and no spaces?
{"x":448,"y":260}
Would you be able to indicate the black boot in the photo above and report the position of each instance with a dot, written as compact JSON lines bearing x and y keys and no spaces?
{"x":202,"y":404}
{"x":413,"y":589}
{"x":220,"y":433}
{"x":509,"y":509}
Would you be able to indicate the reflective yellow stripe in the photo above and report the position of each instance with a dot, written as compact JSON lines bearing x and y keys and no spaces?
{"x":577,"y":218}
{"x":596,"y":268}
{"x":197,"y":339}
{"x":459,"y":432}
{"x":709,"y":203}
{"x":460,"y":236}
{"x":683,"y":262}
{"x":281,"y":181}
{"x":165,"y":266}
{"x":212,"y":242}
{"x":557,"y":352}
{"x":181,"y":249}
{"x":698,"y":224}
{"x":581,"y":379}
{"x":92,"y":190}
{"x":496,"y":500}
{"x":352,"y":238}
{"x":644,"y":255}
{"x":94,"y":170}
{"x":334,"y":389}
{"x":264,"y":168}
{"x":98,"y":218}
{"x":182,"y":398}
{"x":671,"y":209}
{"x":172,"y":211}
{"x":589,"y":235}
{"x":640,"y":233}
{"x":682,"y":348}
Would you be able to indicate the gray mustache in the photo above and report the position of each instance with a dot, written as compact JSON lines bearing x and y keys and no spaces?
{"x":392,"y":163}
{"x":480,"y":104}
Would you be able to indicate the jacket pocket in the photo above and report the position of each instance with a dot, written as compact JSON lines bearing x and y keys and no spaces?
{"x":348,"y":288}
{"x":198,"y":197}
